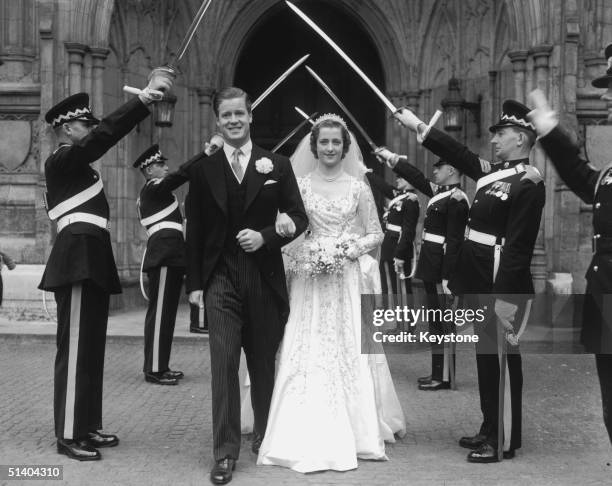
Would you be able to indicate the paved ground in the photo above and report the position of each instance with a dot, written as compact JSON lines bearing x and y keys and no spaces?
{"x":165,"y":431}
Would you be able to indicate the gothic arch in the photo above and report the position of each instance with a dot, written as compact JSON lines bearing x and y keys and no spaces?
{"x":437,"y":73}
{"x":229,"y":42}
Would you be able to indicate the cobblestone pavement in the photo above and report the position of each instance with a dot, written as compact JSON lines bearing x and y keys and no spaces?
{"x":166,"y":431}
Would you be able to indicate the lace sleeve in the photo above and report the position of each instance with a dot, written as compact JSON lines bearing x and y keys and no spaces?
{"x":367,"y":224}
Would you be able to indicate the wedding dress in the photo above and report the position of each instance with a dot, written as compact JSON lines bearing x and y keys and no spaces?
{"x":331,"y":404}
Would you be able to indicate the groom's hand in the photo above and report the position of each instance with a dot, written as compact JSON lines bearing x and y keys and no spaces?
{"x":195,"y":298}
{"x":250,"y":240}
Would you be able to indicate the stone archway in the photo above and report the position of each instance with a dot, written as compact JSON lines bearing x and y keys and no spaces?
{"x":263,"y":57}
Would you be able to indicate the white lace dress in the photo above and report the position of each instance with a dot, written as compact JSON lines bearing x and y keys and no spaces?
{"x":331,"y":404}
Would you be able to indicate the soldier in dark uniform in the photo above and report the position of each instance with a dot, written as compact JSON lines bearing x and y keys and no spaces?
{"x":593,"y":187}
{"x":400,"y":219}
{"x":493,"y":266}
{"x":163,"y":261}
{"x":443,"y":232}
{"x":81,"y":268}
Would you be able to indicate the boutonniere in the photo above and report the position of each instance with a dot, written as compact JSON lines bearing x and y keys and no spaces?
{"x":264,"y":165}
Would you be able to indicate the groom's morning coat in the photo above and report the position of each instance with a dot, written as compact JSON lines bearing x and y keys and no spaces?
{"x":266,"y":195}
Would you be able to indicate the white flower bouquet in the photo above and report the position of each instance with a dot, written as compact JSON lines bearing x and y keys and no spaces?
{"x":325,"y":255}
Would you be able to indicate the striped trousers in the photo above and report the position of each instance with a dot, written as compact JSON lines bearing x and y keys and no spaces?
{"x":242,"y":310}
{"x":82,"y":317}
{"x":440,"y":353}
{"x":164,"y":293}
{"x":488,"y":366}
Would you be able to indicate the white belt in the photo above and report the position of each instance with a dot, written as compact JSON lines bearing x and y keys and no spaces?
{"x":82,"y":218}
{"x":483,"y":238}
{"x":394,"y":227}
{"x":433,"y":238}
{"x":489,"y":240}
{"x":164,"y":225}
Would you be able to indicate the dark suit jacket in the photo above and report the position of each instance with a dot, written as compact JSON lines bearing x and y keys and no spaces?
{"x":207,"y":227}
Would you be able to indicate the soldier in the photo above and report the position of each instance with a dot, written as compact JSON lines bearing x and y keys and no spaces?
{"x":163,"y":261}
{"x":493,"y":267}
{"x":593,"y":187}
{"x":399,"y":221}
{"x":81,"y":268}
{"x":443,"y":231}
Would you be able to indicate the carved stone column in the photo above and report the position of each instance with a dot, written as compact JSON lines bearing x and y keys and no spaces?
{"x":98,"y":55}
{"x":539,"y":264}
{"x":519,"y":65}
{"x":207,"y":126}
{"x":76,"y":54}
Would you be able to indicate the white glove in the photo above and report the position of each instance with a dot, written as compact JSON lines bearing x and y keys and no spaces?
{"x":216,"y":142}
{"x":160,"y":82}
{"x":445,"y":288}
{"x":383,"y":154}
{"x":408,"y":119}
{"x":506,"y":313}
{"x":398,"y":266}
{"x":542,"y":116}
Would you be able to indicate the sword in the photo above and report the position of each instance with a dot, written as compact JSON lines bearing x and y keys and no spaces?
{"x":350,"y":62}
{"x":304,"y":114}
{"x":343,"y":108}
{"x":293,"y":132}
{"x":281,"y":78}
{"x":180,"y":53}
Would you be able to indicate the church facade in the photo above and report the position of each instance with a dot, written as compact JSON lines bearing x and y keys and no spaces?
{"x":494,"y":49}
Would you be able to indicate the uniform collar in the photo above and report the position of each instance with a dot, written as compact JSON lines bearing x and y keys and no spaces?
{"x":508,"y":164}
{"x":447,"y":187}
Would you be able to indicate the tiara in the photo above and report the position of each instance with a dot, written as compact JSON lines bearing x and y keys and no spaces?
{"x":331,"y":117}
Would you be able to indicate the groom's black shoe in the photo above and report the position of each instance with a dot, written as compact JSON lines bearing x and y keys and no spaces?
{"x":256,"y":444}
{"x":472,"y":442}
{"x":222,"y":472}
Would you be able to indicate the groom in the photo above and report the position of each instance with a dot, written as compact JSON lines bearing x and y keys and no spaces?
{"x":235,"y":265}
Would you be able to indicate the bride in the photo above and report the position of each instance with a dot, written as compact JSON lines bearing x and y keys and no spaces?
{"x":331,"y":404}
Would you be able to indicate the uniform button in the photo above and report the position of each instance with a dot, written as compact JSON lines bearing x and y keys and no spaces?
{"x":469,"y":219}
{"x":475,"y":201}
{"x":597,"y":206}
{"x":595,"y":268}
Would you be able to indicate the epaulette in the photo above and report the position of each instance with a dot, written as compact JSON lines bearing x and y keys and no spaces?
{"x":485,"y":165}
{"x":459,"y":195}
{"x":532,"y":174}
{"x":411,"y":195}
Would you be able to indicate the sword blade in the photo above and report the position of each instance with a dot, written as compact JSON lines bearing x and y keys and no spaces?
{"x":342,"y":107}
{"x":280,"y":79}
{"x":190,"y":33}
{"x":344,"y":56}
{"x":293,"y":132}
{"x":304,"y":114}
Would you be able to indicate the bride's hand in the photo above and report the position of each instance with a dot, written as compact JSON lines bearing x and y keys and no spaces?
{"x":352,"y":252}
{"x":285,"y":226}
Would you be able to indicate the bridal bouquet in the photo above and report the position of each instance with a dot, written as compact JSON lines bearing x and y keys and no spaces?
{"x":320,"y":256}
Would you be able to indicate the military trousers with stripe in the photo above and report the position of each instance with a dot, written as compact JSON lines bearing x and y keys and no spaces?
{"x":243,"y":311}
{"x":82,"y":318}
{"x":164,"y":293}
{"x":441,"y":353}
{"x":489,"y":363}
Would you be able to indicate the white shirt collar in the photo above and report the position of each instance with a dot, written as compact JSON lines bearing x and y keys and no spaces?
{"x":246,"y":150}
